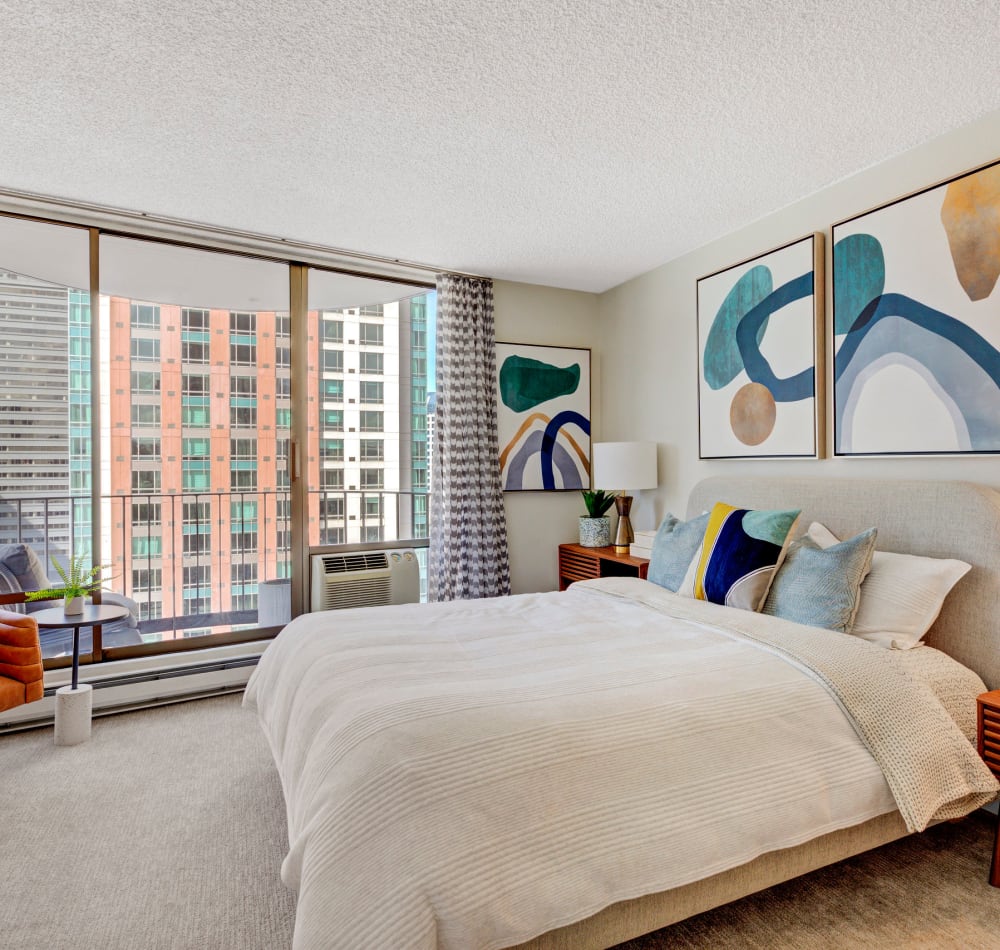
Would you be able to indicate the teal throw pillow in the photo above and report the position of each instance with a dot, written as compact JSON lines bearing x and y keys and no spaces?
{"x":674,"y":546}
{"x":821,"y":587}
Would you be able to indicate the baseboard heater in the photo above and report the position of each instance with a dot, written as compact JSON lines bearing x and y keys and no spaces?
{"x":144,"y":689}
{"x":150,"y":676}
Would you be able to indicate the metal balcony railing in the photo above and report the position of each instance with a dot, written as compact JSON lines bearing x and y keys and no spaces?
{"x":195,"y":563}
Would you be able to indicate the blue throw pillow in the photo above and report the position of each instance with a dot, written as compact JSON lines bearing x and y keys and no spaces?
{"x":674,"y":546}
{"x":821,"y":587}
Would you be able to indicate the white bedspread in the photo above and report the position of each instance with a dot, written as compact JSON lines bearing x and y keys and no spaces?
{"x":471,"y":774}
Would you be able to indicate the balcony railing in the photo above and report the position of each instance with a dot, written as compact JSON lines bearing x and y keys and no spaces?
{"x":199,"y":565}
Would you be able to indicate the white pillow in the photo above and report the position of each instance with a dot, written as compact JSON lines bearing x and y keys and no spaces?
{"x":902,"y":595}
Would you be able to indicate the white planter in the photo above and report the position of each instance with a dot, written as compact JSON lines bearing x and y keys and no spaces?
{"x":73,"y":606}
{"x":595,"y":532}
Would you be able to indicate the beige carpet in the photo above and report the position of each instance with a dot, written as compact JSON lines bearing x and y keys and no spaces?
{"x":166,"y":832}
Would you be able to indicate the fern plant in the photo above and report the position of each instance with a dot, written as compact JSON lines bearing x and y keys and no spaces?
{"x":78,"y":581}
{"x":598,"y":502}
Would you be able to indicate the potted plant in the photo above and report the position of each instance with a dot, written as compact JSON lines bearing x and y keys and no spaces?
{"x":77,"y":582}
{"x":595,"y":527}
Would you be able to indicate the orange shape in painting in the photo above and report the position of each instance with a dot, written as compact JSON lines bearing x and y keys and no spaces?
{"x":752,"y":414}
{"x":971,"y":218}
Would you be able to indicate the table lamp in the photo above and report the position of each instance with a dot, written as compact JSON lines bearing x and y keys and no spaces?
{"x":620,"y":466}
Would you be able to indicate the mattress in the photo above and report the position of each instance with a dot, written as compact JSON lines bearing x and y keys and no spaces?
{"x":472,"y":774}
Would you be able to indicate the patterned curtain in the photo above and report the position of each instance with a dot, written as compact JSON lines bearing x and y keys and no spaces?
{"x":468,"y":544}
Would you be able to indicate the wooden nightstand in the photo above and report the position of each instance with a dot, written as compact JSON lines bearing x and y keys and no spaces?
{"x":988,"y":743}
{"x":577,"y":563}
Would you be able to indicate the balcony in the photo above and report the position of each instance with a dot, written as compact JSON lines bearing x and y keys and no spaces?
{"x":203,"y":568}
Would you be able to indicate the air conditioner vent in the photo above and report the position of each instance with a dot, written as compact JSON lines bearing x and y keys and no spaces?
{"x":362,"y":561}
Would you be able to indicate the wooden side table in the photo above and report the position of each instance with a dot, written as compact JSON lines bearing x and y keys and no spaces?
{"x":577,"y":563}
{"x":988,"y":743}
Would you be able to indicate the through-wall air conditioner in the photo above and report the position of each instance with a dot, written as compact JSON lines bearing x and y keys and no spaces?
{"x":364,"y":579}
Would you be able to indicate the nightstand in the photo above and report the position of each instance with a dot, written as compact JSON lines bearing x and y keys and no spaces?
{"x":577,"y":563}
{"x":988,"y":743}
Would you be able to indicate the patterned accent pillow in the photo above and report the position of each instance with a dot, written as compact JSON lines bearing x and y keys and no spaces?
{"x":741,"y":551}
{"x":675,"y":544}
{"x":821,"y":587}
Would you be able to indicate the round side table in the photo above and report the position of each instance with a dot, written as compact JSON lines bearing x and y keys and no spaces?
{"x":75,"y":702}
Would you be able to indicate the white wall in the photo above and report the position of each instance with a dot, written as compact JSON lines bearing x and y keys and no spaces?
{"x":538,"y":521}
{"x":648,"y":335}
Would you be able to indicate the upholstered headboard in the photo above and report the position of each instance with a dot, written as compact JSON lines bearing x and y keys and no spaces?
{"x":936,"y":519}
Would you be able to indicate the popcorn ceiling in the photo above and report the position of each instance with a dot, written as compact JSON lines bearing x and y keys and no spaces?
{"x":571,"y":143}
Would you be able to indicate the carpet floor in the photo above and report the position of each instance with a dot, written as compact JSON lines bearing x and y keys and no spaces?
{"x":166,"y":831}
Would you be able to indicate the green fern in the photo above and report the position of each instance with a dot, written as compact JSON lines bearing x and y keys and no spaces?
{"x":78,"y":581}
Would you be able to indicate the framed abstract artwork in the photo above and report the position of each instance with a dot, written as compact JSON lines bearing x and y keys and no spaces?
{"x":543,"y":417}
{"x":916,"y":323}
{"x":760,"y":356}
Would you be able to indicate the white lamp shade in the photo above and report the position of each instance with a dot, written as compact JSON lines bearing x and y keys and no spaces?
{"x":626,"y":466}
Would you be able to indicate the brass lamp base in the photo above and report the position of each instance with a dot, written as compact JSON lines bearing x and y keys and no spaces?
{"x":624,"y":536}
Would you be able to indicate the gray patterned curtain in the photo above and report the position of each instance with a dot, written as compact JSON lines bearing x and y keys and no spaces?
{"x":468,"y":544}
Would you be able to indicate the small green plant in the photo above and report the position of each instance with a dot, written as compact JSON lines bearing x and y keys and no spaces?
{"x":598,"y":502}
{"x":78,"y":581}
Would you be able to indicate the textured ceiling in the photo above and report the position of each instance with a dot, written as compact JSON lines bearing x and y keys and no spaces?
{"x":573,"y":143}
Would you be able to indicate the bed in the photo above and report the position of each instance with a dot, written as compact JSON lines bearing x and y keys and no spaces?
{"x":574,"y":770}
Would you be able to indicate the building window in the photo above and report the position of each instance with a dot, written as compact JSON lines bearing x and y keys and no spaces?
{"x":372,"y":420}
{"x":331,"y":450}
{"x":243,"y":323}
{"x":147,"y":545}
{"x":145,"y":381}
{"x":150,"y":609}
{"x":332,"y":507}
{"x":333,"y":390}
{"x":243,"y":416}
{"x":145,"y":514}
{"x":197,"y":543}
{"x":282,"y":324}
{"x":371,"y":392}
{"x":198,"y":575}
{"x":372,"y":478}
{"x":195,"y":448}
{"x":195,"y":384}
{"x":243,"y":479}
{"x":196,"y":320}
{"x":372,"y":450}
{"x":283,"y":386}
{"x":371,"y":533}
{"x":283,"y":357}
{"x":333,"y":361}
{"x":145,"y":449}
{"x":333,"y":331}
{"x":145,"y":481}
{"x":195,"y":412}
{"x":371,"y":310}
{"x":371,"y":363}
{"x":194,"y":350}
{"x":245,"y":449}
{"x":370,"y":334}
{"x":333,"y":419}
{"x":145,"y":348}
{"x":144,"y":316}
{"x":147,"y":579}
{"x":243,"y":573}
{"x":331,"y":479}
{"x":243,"y":542}
{"x":244,"y":386}
{"x":373,"y":507}
{"x":144,"y":415}
{"x":331,"y":536}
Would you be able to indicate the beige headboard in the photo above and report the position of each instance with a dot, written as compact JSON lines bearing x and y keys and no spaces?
{"x":936,"y":519}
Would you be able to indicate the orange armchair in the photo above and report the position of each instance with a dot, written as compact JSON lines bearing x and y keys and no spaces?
{"x":20,"y":660}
